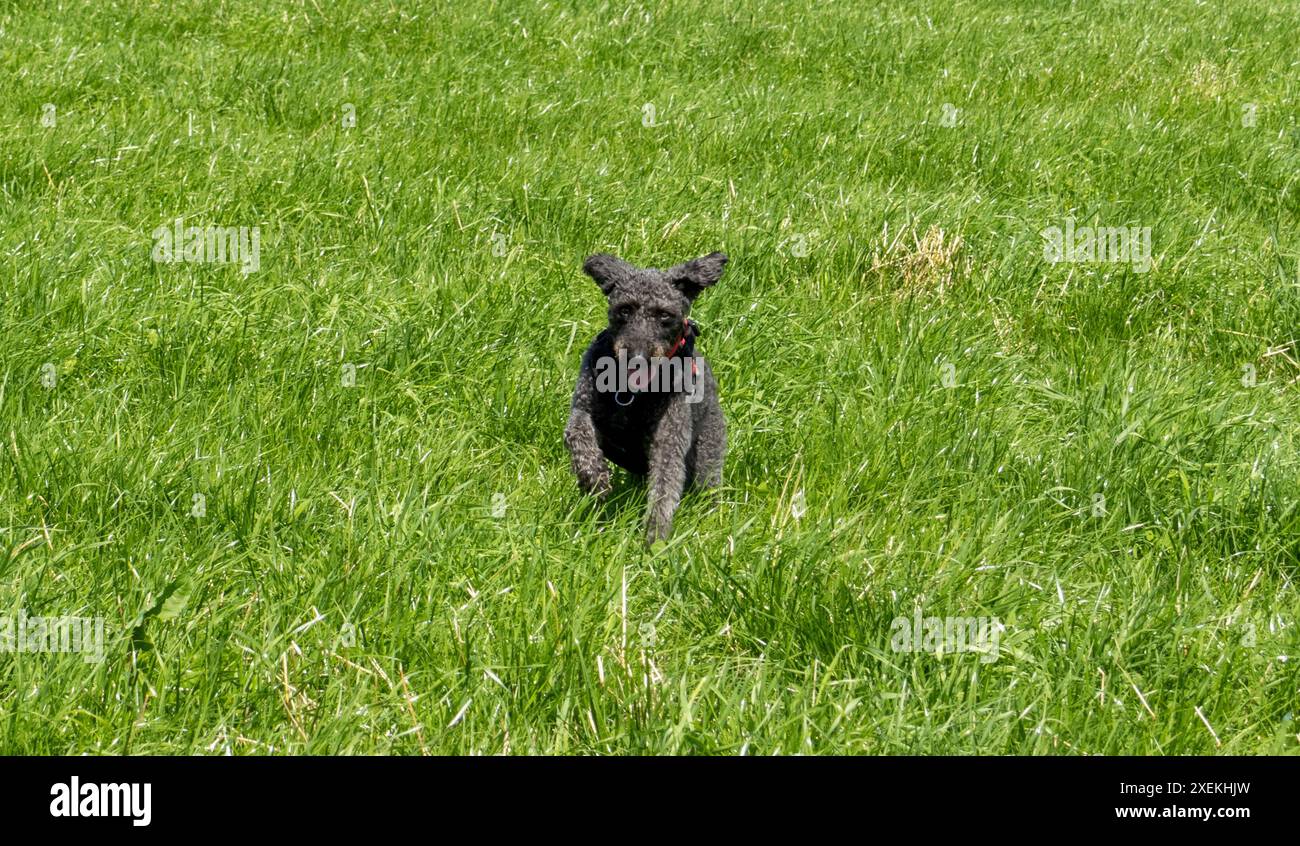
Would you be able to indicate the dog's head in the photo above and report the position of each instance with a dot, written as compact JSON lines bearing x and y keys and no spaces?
{"x":648,"y":307}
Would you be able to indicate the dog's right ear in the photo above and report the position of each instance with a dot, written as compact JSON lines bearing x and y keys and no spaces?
{"x":607,"y":270}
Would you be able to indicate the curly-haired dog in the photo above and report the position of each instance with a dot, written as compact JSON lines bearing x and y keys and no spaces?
{"x":646,"y":399}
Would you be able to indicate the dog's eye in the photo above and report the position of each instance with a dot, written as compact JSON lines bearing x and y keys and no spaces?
{"x":624,"y":312}
{"x":666,"y":320}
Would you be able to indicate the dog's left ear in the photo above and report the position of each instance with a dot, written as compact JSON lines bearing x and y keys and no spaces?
{"x":697,"y":274}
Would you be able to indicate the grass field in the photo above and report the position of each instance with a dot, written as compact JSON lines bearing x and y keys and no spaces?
{"x":325,"y":507}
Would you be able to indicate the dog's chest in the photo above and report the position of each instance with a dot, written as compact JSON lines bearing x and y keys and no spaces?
{"x":625,"y":431}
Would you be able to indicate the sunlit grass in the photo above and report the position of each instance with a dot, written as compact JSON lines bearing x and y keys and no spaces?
{"x":389,"y":552}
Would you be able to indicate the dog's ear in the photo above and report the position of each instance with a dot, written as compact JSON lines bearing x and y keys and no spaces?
{"x":697,"y":274}
{"x":607,"y":270}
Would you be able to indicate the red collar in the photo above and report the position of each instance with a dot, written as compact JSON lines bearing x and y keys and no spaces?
{"x":681,"y":342}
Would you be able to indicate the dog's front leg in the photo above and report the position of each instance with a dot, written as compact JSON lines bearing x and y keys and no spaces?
{"x":668,"y":448}
{"x":580,"y":437}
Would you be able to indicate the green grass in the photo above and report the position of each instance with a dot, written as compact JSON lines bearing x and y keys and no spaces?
{"x":349,"y":589}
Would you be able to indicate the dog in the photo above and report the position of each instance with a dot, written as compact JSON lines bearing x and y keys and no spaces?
{"x":646,"y":399}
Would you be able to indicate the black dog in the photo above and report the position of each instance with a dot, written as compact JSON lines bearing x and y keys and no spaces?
{"x":646,"y":399}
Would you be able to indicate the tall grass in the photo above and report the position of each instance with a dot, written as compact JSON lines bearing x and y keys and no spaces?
{"x":924,"y":413}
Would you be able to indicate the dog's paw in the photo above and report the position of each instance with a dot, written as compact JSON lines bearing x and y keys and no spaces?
{"x":657,"y":532}
{"x":595,"y":484}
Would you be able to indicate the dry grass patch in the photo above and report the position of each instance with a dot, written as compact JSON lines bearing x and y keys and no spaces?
{"x":929,"y":264}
